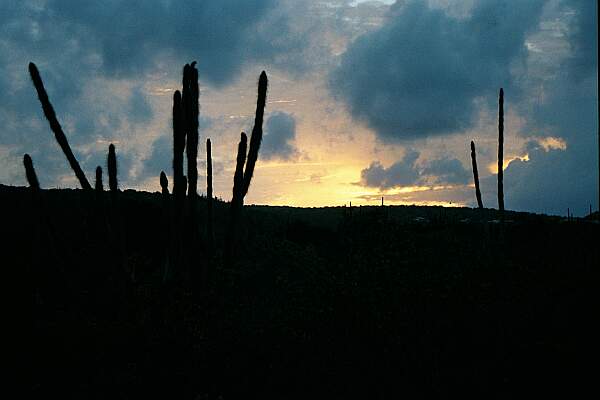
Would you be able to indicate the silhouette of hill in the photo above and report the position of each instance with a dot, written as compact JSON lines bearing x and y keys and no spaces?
{"x":336,"y":302}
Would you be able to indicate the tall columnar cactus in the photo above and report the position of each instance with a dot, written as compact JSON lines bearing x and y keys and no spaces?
{"x":167,"y":226}
{"x":243,"y":177}
{"x":164,"y":183}
{"x":257,"y":131}
{"x":209,"y":195}
{"x":99,"y":185}
{"x":476,"y":175}
{"x":30,"y":173}
{"x":238,"y":177}
{"x":191,"y":112}
{"x":501,"y":151}
{"x":178,"y":145}
{"x":237,"y":200}
{"x":55,"y":126}
{"x":112,"y":169}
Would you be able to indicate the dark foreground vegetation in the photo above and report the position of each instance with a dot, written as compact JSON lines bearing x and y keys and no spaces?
{"x":367,"y":302}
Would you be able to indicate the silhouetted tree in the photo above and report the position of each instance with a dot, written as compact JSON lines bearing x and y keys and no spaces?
{"x":476,"y":175}
{"x":55,"y":126}
{"x":112,"y":168}
{"x":99,"y":186}
{"x":30,"y":173}
{"x":501,"y":151}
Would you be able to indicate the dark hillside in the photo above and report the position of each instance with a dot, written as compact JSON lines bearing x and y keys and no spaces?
{"x":368,"y":302}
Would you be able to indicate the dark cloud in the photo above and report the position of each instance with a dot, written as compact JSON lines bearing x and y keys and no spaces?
{"x":401,"y":173}
{"x":407,"y":172}
{"x":548,"y":183}
{"x":420,"y":73}
{"x":131,"y":37}
{"x":446,"y":170}
{"x":280,"y":132}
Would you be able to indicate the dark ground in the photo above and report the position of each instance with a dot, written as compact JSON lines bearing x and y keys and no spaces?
{"x":370,"y":303}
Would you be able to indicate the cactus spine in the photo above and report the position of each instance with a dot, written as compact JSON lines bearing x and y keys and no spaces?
{"x":30,"y":173}
{"x":476,"y":175}
{"x":99,"y":186}
{"x":55,"y":126}
{"x":112,"y":169}
{"x":501,"y":151}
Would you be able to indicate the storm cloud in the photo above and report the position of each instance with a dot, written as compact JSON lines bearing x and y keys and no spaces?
{"x":408,"y":172}
{"x":420,"y":74}
{"x":280,"y":132}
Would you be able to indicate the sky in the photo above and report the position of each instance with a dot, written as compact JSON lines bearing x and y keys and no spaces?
{"x":366,"y":98}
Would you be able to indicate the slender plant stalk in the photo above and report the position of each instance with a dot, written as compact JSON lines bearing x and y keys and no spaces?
{"x":55,"y":126}
{"x":501,"y":151}
{"x":30,"y":173}
{"x":476,"y":175}
{"x":113,"y":184}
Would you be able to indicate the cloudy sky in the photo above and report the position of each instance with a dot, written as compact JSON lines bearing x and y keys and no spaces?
{"x":366,"y":98}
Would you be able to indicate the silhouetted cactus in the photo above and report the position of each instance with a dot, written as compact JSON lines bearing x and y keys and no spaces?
{"x":30,"y":173}
{"x":112,"y":169}
{"x":237,"y":200}
{"x":99,"y":186}
{"x":178,"y":144}
{"x":243,"y":177}
{"x":238,"y":177}
{"x":191,"y":111}
{"x":476,"y":175}
{"x":209,"y":196}
{"x":257,"y":131}
{"x":501,"y":151}
{"x":55,"y":126}
{"x":164,"y":183}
